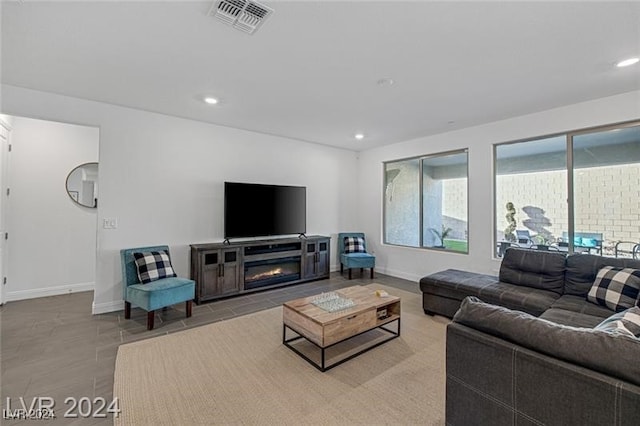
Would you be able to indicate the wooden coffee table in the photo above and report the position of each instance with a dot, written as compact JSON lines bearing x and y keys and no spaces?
{"x":325,"y":329}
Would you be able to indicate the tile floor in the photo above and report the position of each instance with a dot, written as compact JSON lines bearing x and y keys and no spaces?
{"x":54,"y":347}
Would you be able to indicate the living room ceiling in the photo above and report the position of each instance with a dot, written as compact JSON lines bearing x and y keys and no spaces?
{"x":319,"y":71}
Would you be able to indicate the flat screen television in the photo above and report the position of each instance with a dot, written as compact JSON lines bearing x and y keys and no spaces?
{"x":257,"y":210}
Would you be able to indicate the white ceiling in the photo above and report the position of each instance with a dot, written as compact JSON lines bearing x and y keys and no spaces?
{"x":311,"y":71}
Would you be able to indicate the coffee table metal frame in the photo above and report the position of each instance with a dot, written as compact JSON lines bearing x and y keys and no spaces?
{"x":322,"y":366}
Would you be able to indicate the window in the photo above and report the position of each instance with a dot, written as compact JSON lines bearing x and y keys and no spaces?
{"x":531,"y":192}
{"x":425,"y":202}
{"x":576,"y":192}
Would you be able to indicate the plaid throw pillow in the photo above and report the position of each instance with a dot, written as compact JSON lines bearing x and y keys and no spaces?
{"x":354,"y":245}
{"x":615,"y":288}
{"x":625,"y":322}
{"x":153,"y":265}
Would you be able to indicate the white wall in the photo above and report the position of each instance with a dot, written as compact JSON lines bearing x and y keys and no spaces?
{"x":52,"y":240}
{"x":162,"y":178}
{"x":411,"y":263}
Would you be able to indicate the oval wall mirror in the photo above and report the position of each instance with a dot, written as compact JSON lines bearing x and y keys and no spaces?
{"x":82,"y":185}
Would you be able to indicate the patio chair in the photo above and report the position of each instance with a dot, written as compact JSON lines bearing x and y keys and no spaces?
{"x":585,"y":241}
{"x":627,"y":249}
{"x":524,"y":237}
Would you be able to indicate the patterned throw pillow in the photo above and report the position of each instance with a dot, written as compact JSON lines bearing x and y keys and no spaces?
{"x":615,"y":288}
{"x":153,"y":265}
{"x":625,"y":322}
{"x":354,"y":245}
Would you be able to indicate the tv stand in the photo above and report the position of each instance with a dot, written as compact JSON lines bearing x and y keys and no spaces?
{"x":233,"y":268}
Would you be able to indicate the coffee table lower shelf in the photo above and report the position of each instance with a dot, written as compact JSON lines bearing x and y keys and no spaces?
{"x":322,"y":366}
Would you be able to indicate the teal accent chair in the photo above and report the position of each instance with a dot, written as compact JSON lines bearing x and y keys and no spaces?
{"x":354,"y":260}
{"x":156,"y":294}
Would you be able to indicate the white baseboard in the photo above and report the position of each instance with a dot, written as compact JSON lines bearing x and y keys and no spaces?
{"x":106,"y":307}
{"x":11,"y":296}
{"x":386,"y":271}
{"x":399,"y":274}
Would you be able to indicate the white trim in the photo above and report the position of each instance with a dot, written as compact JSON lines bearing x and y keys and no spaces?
{"x":103,"y":308}
{"x":398,"y":274}
{"x":48,"y":291}
{"x":4,"y":123}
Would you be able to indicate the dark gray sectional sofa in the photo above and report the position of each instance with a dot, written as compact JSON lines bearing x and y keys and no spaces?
{"x":521,"y":348}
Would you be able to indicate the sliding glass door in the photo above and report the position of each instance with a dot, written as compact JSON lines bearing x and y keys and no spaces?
{"x":575,"y":192}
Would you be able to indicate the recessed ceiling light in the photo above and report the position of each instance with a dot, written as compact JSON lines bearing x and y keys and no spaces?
{"x":385,"y":81}
{"x":627,"y":62}
{"x":210,"y":100}
{"x":359,"y":136}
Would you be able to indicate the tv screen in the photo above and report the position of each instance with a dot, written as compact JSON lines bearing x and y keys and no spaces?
{"x":255,"y":210}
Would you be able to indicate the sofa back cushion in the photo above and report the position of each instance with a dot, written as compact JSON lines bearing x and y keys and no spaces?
{"x":582,"y":270}
{"x":612,"y":354}
{"x":534,"y":268}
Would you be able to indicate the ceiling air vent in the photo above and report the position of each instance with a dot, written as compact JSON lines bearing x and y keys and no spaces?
{"x":245,"y":15}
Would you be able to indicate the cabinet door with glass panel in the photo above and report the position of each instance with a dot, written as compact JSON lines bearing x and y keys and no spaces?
{"x":221,"y":274}
{"x":316,"y":258}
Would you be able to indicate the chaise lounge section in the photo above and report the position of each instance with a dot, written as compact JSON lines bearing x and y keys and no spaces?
{"x":530,"y":281}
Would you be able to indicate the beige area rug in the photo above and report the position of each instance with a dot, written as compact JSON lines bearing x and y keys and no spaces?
{"x":238,"y":372}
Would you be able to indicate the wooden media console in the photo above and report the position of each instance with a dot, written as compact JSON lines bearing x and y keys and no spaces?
{"x":227,"y":269}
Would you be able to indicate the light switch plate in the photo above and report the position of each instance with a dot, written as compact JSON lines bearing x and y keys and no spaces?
{"x":109,"y":223}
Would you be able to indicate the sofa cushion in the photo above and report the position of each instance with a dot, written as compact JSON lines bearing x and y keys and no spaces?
{"x":571,"y":318}
{"x":583,"y":346}
{"x":456,"y":284}
{"x":581,"y":270}
{"x":161,"y":293}
{"x":581,"y":305}
{"x":615,"y":288}
{"x":625,"y":322}
{"x":451,"y":280}
{"x":534,"y":268}
{"x":589,"y":242}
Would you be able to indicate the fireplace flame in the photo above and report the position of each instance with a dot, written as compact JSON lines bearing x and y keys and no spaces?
{"x":267,"y":274}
